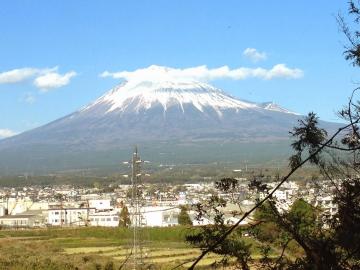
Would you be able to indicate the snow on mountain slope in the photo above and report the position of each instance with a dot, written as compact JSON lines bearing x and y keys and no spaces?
{"x":148,"y":93}
{"x":271,"y":106}
{"x":169,"y":92}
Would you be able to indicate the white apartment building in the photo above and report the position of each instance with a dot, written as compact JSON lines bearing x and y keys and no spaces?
{"x":69,"y":216}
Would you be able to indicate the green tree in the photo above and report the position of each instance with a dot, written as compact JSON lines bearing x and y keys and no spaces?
{"x":326,"y":243}
{"x":304,"y":217}
{"x":184,"y":218}
{"x":124,"y":217}
{"x":97,"y":185}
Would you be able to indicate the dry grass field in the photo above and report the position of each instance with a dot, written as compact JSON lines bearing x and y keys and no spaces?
{"x":97,"y":249}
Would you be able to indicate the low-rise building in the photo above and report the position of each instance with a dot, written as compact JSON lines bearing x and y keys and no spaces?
{"x":69,"y":216}
{"x":159,"y":216}
{"x":21,"y":221}
{"x":105,"y":219}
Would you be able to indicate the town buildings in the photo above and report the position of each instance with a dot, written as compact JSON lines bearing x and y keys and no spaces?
{"x":68,"y":206}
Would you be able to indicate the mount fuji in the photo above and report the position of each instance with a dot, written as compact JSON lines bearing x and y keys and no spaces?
{"x":178,"y":113}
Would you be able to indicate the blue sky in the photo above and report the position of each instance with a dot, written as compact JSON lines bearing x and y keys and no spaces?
{"x":58,"y":49}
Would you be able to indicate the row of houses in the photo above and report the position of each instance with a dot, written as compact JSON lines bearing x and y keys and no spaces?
{"x":95,"y":213}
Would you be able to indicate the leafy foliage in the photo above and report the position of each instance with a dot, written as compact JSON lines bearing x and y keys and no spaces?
{"x":346,"y":224}
{"x":352,"y":50}
{"x":184,"y":218}
{"x":212,"y":209}
{"x":124,"y":218}
{"x":309,"y":138}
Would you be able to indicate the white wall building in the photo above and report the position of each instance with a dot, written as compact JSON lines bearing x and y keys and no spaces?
{"x":34,"y":218}
{"x":18,"y":221}
{"x":69,"y":216}
{"x":105,"y":219}
{"x":2,"y":211}
{"x":100,"y":204}
{"x":159,"y":216}
{"x":39,"y":206}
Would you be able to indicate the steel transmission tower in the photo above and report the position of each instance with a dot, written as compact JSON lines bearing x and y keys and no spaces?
{"x":136,"y":214}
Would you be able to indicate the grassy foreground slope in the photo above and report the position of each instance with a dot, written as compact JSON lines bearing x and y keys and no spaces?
{"x":96,"y":248}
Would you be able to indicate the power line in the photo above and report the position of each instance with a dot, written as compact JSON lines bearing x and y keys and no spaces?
{"x":161,"y":210}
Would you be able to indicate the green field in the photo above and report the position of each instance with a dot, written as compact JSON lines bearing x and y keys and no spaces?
{"x":97,"y":248}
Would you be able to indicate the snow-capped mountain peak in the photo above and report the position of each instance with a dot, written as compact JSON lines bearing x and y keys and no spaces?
{"x":156,"y":85}
{"x":168,"y":93}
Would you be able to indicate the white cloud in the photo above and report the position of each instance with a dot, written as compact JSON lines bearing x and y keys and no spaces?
{"x":22,"y":74}
{"x":4,"y":133}
{"x":44,"y":78}
{"x":254,"y":55}
{"x":53,"y":80}
{"x":17,"y":75}
{"x":203,"y":73}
